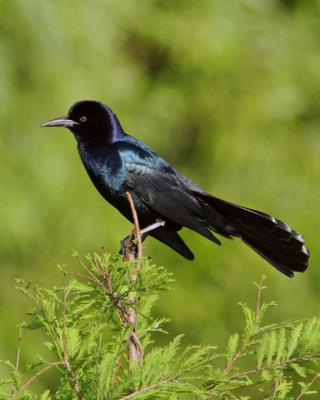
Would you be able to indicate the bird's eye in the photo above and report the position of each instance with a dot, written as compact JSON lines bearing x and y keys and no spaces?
{"x":83,"y":119}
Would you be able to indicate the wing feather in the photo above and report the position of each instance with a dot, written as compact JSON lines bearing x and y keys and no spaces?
{"x":166,"y":194}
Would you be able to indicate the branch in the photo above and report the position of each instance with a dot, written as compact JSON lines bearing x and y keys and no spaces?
{"x":136,"y":224}
{"x":135,"y":350}
{"x":104,"y":283}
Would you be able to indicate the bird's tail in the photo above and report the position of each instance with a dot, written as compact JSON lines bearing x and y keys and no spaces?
{"x":271,"y":238}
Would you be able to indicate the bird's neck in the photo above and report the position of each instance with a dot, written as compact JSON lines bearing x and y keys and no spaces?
{"x":102,"y":135}
{"x":97,"y":140}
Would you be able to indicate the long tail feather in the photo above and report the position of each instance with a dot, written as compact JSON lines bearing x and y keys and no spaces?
{"x":271,"y":238}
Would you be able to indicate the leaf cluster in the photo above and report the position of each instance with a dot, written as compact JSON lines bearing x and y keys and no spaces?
{"x":87,"y":331}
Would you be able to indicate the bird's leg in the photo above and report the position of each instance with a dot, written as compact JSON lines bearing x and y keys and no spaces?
{"x":128,"y":244}
{"x":152,"y":227}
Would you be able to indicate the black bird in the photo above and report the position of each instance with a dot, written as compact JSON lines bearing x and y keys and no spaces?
{"x":117,"y":162}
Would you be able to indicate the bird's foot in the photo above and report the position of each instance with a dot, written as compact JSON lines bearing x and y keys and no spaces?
{"x":129,"y":243}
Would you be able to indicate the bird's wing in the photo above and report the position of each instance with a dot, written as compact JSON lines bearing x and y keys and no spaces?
{"x":164,"y":192}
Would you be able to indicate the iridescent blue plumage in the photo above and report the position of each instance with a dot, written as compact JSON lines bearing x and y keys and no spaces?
{"x":117,"y":162}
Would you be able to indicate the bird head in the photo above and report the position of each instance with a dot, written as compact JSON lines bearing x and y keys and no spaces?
{"x":89,"y":121}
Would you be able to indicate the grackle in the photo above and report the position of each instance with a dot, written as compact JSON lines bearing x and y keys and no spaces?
{"x":117,"y":162}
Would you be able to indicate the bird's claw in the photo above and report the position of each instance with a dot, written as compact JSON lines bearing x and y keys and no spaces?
{"x":128,"y":245}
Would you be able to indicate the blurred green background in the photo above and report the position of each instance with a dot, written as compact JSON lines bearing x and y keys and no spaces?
{"x":227,"y":91}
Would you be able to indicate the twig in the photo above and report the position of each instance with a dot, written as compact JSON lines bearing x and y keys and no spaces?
{"x":14,"y":389}
{"x":86,"y":278}
{"x":51,"y":328}
{"x":258,"y":299}
{"x":308,"y":357}
{"x":66,"y":360}
{"x":136,"y":224}
{"x":244,"y":345}
{"x":146,"y":388}
{"x":19,"y":349}
{"x":260,"y":288}
{"x":308,"y":386}
{"x":89,"y":272}
{"x":105,"y":284}
{"x":279,"y":364}
{"x":135,"y":349}
{"x":276,"y":384}
{"x":36,"y":375}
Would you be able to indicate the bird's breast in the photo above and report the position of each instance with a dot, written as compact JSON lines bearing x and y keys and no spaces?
{"x":106,"y":171}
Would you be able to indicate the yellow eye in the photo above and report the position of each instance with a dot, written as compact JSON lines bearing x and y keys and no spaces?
{"x":83,"y":119}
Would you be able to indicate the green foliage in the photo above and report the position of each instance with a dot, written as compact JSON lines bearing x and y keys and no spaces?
{"x":227,"y":91}
{"x":87,"y":333}
{"x":281,"y":355}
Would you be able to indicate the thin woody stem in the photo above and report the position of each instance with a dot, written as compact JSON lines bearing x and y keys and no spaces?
{"x":135,"y":350}
{"x":19,"y":349}
{"x":36,"y":375}
{"x":260,"y":288}
{"x":308,"y":386}
{"x":277,"y":364}
{"x":147,"y":388}
{"x":136,"y":224}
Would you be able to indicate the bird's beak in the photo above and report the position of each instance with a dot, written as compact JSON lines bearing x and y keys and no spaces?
{"x":62,"y":121}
